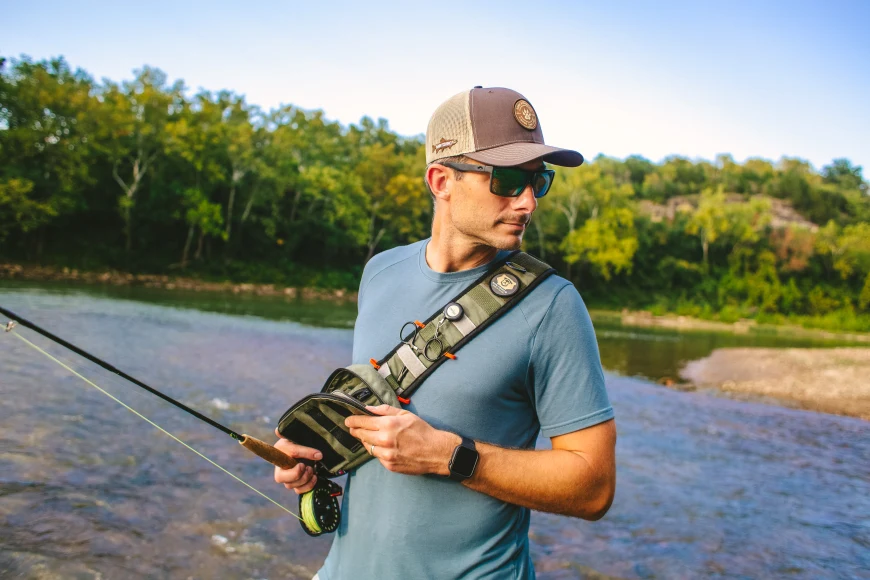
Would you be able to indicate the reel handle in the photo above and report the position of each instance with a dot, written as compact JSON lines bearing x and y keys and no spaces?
{"x":267,"y":452}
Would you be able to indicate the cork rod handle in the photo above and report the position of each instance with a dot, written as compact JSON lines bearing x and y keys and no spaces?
{"x":267,"y":452}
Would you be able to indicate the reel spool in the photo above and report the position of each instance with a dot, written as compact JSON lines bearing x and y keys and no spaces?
{"x":319,"y":509}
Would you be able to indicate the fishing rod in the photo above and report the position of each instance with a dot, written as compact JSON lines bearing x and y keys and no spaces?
{"x":318,"y":508}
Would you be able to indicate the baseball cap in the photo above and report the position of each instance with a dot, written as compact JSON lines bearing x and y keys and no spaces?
{"x":495,"y":126}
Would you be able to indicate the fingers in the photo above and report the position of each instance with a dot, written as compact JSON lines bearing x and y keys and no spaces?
{"x":300,"y":478}
{"x":362,"y":422}
{"x":384,"y":410}
{"x":298,"y":451}
{"x":385,"y":414}
{"x":369,"y":438}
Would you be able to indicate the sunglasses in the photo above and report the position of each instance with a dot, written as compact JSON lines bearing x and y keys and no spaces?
{"x":510,"y":181}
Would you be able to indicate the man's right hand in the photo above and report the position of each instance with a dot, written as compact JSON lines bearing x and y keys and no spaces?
{"x":300,"y":478}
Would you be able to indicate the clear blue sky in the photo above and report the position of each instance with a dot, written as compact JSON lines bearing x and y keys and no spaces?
{"x":750,"y":78}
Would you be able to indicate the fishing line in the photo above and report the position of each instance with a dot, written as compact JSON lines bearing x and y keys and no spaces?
{"x":149,"y":421}
{"x":14,"y":318}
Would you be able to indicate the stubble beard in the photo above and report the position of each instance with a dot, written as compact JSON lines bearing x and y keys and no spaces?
{"x":490,"y":233}
{"x":493,"y":238}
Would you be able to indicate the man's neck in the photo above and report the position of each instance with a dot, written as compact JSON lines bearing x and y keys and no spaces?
{"x":454,"y":252}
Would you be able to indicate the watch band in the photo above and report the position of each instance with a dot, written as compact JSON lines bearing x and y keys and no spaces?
{"x":464,"y":460}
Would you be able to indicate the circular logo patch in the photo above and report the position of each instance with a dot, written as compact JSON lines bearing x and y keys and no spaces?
{"x":504,"y":284}
{"x":525,"y":114}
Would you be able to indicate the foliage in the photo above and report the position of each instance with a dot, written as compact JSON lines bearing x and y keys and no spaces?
{"x":144,"y":175}
{"x":18,"y":210}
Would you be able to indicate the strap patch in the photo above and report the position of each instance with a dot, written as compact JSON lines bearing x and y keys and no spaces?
{"x":464,"y":325}
{"x":412,"y":363}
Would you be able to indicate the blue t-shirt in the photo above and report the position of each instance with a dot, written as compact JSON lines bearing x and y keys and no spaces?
{"x":535,"y":369}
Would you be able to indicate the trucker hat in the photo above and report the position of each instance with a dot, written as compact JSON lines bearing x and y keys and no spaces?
{"x":495,"y":126}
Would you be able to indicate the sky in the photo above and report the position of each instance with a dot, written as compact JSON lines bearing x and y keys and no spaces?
{"x":749,"y":78}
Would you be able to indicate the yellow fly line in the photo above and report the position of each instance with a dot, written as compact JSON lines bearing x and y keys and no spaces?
{"x":149,"y":421}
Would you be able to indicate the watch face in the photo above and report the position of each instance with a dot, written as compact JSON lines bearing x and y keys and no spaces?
{"x":464,"y":461}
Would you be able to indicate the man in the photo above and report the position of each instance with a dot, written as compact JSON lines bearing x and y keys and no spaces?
{"x":534,"y":369}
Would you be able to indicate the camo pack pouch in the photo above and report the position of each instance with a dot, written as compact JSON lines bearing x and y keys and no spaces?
{"x":317,"y":420}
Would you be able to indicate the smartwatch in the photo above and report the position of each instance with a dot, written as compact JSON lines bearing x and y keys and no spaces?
{"x":464,"y":460}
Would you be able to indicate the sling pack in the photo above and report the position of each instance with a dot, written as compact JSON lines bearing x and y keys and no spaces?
{"x":318,"y":420}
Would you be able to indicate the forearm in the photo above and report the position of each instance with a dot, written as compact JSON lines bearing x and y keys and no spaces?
{"x":551,"y":480}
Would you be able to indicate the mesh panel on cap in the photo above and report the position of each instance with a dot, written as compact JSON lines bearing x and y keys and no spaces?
{"x":450,"y":122}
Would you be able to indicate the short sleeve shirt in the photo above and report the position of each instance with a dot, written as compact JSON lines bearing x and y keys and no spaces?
{"x":535,"y":369}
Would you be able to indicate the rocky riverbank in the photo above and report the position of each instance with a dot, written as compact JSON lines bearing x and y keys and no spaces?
{"x":115,"y":278}
{"x":830,"y":380}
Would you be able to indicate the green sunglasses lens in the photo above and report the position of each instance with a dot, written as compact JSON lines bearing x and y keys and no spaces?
{"x":508,"y":182}
{"x":543,"y":181}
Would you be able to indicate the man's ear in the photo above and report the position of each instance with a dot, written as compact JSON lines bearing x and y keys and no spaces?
{"x":438,"y":180}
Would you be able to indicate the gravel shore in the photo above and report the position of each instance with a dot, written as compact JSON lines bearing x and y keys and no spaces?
{"x":830,"y":380}
{"x":114,"y":278}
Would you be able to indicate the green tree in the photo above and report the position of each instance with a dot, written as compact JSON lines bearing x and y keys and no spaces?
{"x":200,"y":214}
{"x":47,"y":122}
{"x":197,"y":136}
{"x":606,"y":239}
{"x":606,"y":242}
{"x":138,"y":113}
{"x":708,"y":221}
{"x":842,"y":173}
{"x":848,"y":248}
{"x":18,"y":210}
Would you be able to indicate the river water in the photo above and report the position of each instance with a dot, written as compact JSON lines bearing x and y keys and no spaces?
{"x":707,"y":486}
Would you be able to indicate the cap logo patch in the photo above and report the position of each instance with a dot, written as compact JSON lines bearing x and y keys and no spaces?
{"x":443,"y":145}
{"x":525,"y":115}
{"x":504,"y":284}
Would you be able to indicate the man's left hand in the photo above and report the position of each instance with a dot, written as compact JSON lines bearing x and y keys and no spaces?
{"x":403,"y":442}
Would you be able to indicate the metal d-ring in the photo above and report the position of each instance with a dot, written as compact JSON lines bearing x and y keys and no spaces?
{"x":429,"y":342}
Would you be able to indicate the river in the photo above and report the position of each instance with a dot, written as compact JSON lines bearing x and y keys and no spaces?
{"x":707,"y":486}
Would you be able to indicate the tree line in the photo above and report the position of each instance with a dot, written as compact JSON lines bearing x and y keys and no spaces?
{"x":146,"y":176}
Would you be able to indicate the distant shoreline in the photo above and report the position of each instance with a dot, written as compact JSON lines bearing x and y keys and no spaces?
{"x":637,"y":318}
{"x":165,"y":282}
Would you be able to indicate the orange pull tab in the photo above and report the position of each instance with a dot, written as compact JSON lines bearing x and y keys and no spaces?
{"x":419,"y":324}
{"x":450,"y":356}
{"x":403,"y":400}
{"x":375,"y":364}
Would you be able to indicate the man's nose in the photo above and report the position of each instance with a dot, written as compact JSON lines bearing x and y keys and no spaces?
{"x":526,"y":200}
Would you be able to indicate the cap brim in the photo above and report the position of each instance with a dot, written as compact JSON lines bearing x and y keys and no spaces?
{"x":519,"y":153}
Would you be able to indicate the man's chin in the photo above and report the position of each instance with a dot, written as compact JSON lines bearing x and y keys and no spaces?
{"x":508,"y":242}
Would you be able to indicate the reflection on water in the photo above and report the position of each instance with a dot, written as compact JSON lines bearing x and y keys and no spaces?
{"x":707,"y":486}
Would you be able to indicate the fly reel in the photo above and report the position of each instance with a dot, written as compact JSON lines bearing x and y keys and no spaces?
{"x":319,"y":509}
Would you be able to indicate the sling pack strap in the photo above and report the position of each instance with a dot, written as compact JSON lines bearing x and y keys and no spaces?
{"x":482,"y":303}
{"x":318,"y":419}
